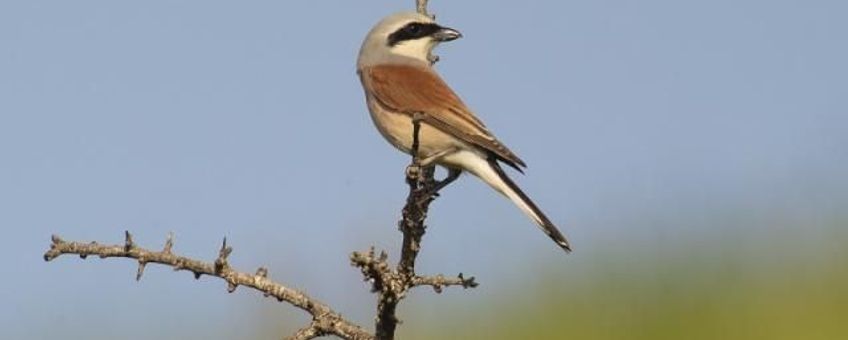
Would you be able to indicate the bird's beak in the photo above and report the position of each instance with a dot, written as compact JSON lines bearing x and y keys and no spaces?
{"x":446,"y":34}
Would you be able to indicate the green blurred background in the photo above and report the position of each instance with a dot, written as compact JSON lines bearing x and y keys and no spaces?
{"x":759,"y":287}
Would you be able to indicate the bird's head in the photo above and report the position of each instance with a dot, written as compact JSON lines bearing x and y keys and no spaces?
{"x":404,"y":36}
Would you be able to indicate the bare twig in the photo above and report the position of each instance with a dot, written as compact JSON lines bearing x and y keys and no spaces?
{"x":439,"y":281}
{"x":324,"y":320}
{"x":421,"y":6}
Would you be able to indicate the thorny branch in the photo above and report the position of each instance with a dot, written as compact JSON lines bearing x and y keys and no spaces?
{"x":325,"y":321}
{"x":391,"y":284}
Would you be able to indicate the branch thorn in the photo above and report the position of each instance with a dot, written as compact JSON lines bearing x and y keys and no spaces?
{"x":141,"y":265}
{"x":128,"y":241}
{"x":169,"y":243}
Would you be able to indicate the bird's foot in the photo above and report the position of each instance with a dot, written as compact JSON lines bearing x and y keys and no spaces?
{"x":413,"y":171}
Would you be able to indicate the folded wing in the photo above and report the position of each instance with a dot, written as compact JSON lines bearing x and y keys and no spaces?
{"x":411,"y":90}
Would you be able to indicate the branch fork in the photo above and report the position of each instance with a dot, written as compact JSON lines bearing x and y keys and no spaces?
{"x":393,"y":284}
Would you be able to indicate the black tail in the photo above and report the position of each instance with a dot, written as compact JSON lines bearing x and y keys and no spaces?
{"x":535,"y":213}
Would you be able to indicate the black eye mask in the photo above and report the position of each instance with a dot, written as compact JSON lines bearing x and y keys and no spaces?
{"x":412,"y":31}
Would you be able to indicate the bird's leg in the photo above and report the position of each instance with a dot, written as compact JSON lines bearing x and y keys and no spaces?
{"x":426,"y":166}
{"x":435,"y":186}
{"x":414,"y":169}
{"x":429,"y":160}
{"x":453,"y":174}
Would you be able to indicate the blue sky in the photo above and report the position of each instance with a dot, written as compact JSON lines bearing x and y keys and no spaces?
{"x":639,"y":121}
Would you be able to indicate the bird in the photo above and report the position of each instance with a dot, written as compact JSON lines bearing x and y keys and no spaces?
{"x":396,"y":68}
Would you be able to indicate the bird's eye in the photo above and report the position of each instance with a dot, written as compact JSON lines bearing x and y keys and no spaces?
{"x":413,"y":28}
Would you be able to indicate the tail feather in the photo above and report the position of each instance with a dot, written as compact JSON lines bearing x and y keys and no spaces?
{"x":514,"y":193}
{"x":488,"y":170}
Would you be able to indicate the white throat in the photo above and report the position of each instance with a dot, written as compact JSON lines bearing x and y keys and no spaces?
{"x":419,"y":49}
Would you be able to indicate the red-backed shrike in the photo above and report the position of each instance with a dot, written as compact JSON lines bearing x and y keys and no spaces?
{"x":399,"y":81}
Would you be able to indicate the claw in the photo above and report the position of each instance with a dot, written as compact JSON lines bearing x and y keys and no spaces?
{"x":412,"y":171}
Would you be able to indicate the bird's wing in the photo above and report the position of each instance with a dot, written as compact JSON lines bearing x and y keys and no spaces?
{"x":411,"y":90}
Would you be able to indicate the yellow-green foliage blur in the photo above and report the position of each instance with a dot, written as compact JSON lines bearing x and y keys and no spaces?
{"x":789,"y":283}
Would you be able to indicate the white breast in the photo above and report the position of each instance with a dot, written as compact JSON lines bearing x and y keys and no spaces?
{"x":397,"y":128}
